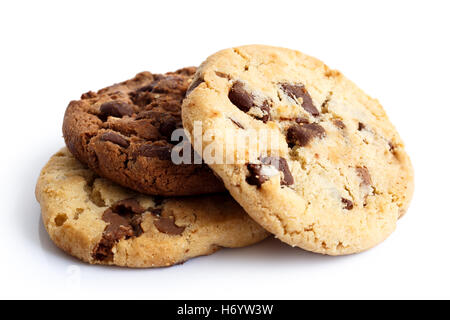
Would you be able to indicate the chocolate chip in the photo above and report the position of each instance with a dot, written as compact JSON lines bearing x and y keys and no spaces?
{"x":155,"y":151}
{"x":119,"y":226}
{"x":103,"y":250}
{"x":265,"y":107}
{"x":348,"y":204}
{"x":259,"y":172}
{"x":124,"y":220}
{"x":115,"y":138}
{"x":361,"y":126}
{"x":301,"y":120}
{"x":147,"y":88}
{"x":299,"y":91}
{"x":281,"y":165}
{"x":339,"y":124}
{"x":194,"y":85}
{"x":244,"y":100}
{"x":364,"y":174}
{"x":167,"y":127}
{"x":240,"y":97}
{"x":240,"y":126}
{"x":302,"y":134}
{"x":115,"y":109}
{"x":168,"y":226}
{"x":161,"y":123}
{"x":126,"y":206}
{"x":88,"y":95}
{"x":256,"y":178}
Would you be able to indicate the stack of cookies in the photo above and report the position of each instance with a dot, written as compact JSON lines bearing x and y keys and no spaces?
{"x":257,"y":141}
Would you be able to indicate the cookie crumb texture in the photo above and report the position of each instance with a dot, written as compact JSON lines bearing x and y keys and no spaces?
{"x":100,"y":222}
{"x":339,"y":179}
{"x":123,"y":133}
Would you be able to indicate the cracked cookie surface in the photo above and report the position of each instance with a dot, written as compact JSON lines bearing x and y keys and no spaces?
{"x":100,"y":222}
{"x":337,"y":178}
{"x":123,"y":132}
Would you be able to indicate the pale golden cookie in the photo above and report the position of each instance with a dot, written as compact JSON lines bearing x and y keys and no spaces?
{"x":335,"y":177}
{"x":100,"y":222}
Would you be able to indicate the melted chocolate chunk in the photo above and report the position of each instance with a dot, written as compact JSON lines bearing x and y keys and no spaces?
{"x":147,"y":88}
{"x":301,"y":134}
{"x":295,"y":91}
{"x":124,"y":220}
{"x":348,"y":204}
{"x":257,"y":171}
{"x":282,"y":166}
{"x":244,"y":100}
{"x":240,"y":97}
{"x":115,"y":138}
{"x":130,"y":205}
{"x":116,"y":109}
{"x":160,"y":122}
{"x":265,"y":107}
{"x":364,"y":174}
{"x":300,"y":120}
{"x":167,"y":127}
{"x":168,"y":226}
{"x":166,"y":91}
{"x":255,"y":178}
{"x":155,"y":151}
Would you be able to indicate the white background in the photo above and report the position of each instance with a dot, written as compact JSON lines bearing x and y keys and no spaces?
{"x":51,"y":52}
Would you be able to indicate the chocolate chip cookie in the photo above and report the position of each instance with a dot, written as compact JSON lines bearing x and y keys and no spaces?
{"x":123,"y":132}
{"x":324,"y":169}
{"x":100,"y":222}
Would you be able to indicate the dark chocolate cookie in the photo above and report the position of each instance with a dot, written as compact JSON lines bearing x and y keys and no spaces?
{"x":123,"y":132}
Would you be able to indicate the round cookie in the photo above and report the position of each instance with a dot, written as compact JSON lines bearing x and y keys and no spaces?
{"x":100,"y":222}
{"x":123,"y":132}
{"x":332,"y":177}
